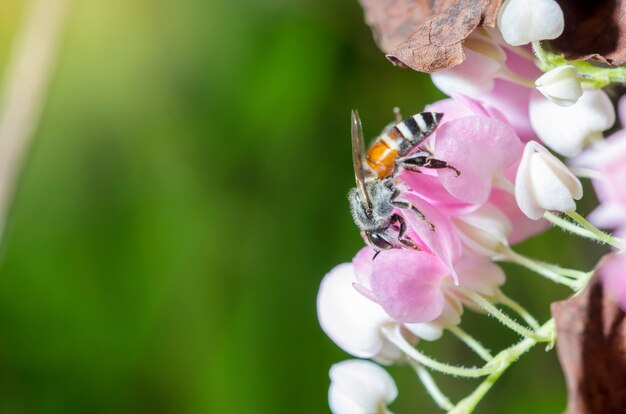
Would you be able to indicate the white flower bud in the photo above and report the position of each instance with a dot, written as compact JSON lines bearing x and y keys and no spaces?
{"x":475,"y":76}
{"x":525,"y":21}
{"x":360,"y":387}
{"x":560,"y":85}
{"x":351,"y":320}
{"x":484,"y":230}
{"x":543,"y":183}
{"x":567,"y":130}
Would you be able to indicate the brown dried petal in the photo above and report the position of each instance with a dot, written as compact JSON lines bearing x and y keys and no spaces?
{"x":594,"y":30}
{"x":591,"y":345}
{"x":426,"y":35}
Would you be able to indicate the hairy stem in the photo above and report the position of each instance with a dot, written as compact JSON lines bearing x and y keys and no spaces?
{"x":394,"y":335}
{"x":538,"y":267}
{"x":431,"y":387}
{"x":504,"y":360}
{"x":519,"y":309}
{"x":569,"y":226}
{"x":501,"y":316}
{"x":599,"y":235}
{"x":471,"y":342}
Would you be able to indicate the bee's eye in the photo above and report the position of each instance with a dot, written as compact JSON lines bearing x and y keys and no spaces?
{"x":378,"y":241}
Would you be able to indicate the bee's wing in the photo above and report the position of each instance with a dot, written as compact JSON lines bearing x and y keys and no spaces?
{"x":358,"y":150}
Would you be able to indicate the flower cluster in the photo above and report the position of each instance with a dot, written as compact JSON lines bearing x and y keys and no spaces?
{"x":505,"y":186}
{"x":606,"y":161}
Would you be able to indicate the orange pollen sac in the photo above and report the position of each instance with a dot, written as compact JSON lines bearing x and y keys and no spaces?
{"x":382,"y":159}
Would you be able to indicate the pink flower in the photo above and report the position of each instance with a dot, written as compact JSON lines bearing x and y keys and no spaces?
{"x":512,"y":99}
{"x":480,"y":148}
{"x":351,"y":320}
{"x":608,"y":158}
{"x":501,"y":91}
{"x":478,"y":142}
{"x":407,"y":284}
{"x":415,"y":287}
{"x":612,"y":271}
{"x":522,"y":226}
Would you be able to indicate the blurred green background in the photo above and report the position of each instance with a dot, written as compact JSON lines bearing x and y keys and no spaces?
{"x":184,"y":196}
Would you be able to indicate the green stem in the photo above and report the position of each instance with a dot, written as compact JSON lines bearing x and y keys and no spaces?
{"x":501,"y":316}
{"x":472,"y":343}
{"x":504,"y":359}
{"x":538,"y":268}
{"x":519,"y":309}
{"x":599,"y":235}
{"x":567,"y":225}
{"x":431,"y":387}
{"x":591,"y":75}
{"x":573,"y":273}
{"x":394,"y":335}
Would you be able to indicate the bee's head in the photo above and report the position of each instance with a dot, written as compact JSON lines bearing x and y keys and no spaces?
{"x":378,"y":241}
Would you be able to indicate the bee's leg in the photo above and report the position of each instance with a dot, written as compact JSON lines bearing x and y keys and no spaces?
{"x":408,"y":206}
{"x":424,"y":159}
{"x":405,"y":241}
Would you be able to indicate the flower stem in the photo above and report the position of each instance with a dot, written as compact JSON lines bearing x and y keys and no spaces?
{"x":504,"y":359}
{"x":471,"y":342}
{"x":519,"y":309}
{"x":567,"y":225}
{"x":501,"y":316}
{"x":538,"y":268}
{"x":431,"y":387}
{"x":599,"y":235}
{"x":591,"y":75}
{"x":394,"y":335}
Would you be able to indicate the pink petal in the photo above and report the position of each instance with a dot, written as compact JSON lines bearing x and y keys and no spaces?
{"x":612,"y":270}
{"x":523,"y":227}
{"x":430,"y":188}
{"x":512,"y":101}
{"x":451,"y":108}
{"x":480,"y":274}
{"x":444,"y":241}
{"x":479,"y":148}
{"x":406,"y":284}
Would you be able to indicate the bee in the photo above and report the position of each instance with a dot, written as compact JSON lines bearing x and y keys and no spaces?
{"x":374,"y":199}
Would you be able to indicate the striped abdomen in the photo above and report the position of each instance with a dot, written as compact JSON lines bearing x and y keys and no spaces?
{"x":399,"y":141}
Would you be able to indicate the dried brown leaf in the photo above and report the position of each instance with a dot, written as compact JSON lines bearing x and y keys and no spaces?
{"x":591,"y":345}
{"x":427,"y":35}
{"x":594,"y":30}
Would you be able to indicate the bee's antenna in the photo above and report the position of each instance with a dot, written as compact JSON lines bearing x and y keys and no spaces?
{"x":396,"y":112}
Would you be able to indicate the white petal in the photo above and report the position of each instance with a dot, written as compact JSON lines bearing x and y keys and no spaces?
{"x":426,"y":331}
{"x":567,"y":130}
{"x":484,"y":230}
{"x":543,"y":183}
{"x":523,"y":194}
{"x":562,"y":172}
{"x":352,"y":321}
{"x":525,"y":21}
{"x":341,"y":403}
{"x":549,"y":191}
{"x":365,"y":384}
{"x":560,"y":85}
